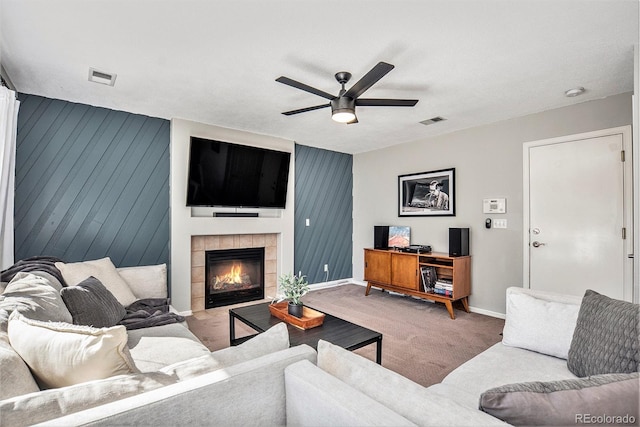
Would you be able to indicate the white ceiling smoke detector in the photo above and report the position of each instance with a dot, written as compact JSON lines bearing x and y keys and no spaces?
{"x":101,"y":77}
{"x":574,"y":92}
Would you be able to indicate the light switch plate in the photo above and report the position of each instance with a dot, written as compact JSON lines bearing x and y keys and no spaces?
{"x":499,"y":223}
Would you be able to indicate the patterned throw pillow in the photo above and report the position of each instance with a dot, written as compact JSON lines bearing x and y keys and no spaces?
{"x":91,"y":304}
{"x":606,"y":337}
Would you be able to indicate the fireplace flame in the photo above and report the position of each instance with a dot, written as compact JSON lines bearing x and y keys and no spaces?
{"x":234,"y":277}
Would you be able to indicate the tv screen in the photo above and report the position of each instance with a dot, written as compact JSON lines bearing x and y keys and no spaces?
{"x":233,"y":175}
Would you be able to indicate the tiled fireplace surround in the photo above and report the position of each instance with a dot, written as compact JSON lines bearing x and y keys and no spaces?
{"x":200,"y":244}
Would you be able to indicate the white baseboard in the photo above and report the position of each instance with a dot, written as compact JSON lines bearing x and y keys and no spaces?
{"x":331,"y":284}
{"x":487,"y":312}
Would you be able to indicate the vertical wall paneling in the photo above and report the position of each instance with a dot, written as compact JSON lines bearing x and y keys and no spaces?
{"x":323,"y":194}
{"x":91,"y":182}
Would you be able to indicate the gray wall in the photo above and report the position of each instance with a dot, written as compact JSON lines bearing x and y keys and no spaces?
{"x":91,"y":182}
{"x":323,"y":194}
{"x":488,"y":162}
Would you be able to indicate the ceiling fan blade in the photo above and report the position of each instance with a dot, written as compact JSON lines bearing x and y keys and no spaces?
{"x":371,"y":102}
{"x":302,"y":86}
{"x":369,"y":79}
{"x":304,"y":110}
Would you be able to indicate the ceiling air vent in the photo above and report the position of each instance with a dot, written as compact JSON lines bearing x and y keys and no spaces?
{"x":101,"y":77}
{"x":432,"y":120}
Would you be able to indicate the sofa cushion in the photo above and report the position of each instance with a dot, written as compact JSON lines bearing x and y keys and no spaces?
{"x":35,"y":297}
{"x":14,"y":373}
{"x":538,"y":325}
{"x":62,"y":354}
{"x":273,"y":339}
{"x":91,"y":304}
{"x":103,"y":270}
{"x":606,"y":339}
{"x":48,"y":404}
{"x":147,"y":281}
{"x":159,"y":346}
{"x":413,"y":401}
{"x":315,"y":397}
{"x":563,"y":402}
{"x":499,"y":365}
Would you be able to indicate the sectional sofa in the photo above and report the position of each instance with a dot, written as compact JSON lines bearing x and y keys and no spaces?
{"x":549,"y":369}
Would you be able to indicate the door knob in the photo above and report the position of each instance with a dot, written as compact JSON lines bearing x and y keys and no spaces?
{"x":537,"y":244}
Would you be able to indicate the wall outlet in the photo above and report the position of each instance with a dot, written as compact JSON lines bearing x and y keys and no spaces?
{"x":326,"y":267}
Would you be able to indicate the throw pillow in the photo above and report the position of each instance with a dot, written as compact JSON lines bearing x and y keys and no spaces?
{"x":606,"y":337}
{"x":542,"y":326}
{"x":146,"y":281}
{"x":273,"y":339}
{"x":14,"y":373}
{"x":566,"y":402}
{"x":74,"y":354}
{"x":103,"y":270}
{"x":35,"y":297}
{"x":91,"y":304}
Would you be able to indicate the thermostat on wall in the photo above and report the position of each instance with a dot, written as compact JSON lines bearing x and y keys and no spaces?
{"x":494,"y":206}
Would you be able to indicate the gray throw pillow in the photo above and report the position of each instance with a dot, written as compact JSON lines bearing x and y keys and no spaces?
{"x":566,"y":402}
{"x":90,"y":303}
{"x":605,"y":340}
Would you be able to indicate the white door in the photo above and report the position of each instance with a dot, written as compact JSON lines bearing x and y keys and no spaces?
{"x":575,"y":201}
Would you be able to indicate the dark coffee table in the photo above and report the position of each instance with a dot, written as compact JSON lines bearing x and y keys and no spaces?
{"x":334,"y":330}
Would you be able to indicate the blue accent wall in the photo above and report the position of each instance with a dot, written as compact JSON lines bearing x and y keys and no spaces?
{"x":323,"y":194}
{"x":91,"y":182}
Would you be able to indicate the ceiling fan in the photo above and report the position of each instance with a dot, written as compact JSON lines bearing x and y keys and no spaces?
{"x":343,"y":106}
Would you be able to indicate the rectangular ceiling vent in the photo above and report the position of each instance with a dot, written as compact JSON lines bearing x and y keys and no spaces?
{"x":432,"y":120}
{"x":101,"y":77}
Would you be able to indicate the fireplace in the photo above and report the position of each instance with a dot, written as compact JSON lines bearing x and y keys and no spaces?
{"x":233,"y":276}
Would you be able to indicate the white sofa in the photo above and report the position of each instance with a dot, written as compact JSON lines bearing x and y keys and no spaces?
{"x":118,"y":364}
{"x":299,"y":386}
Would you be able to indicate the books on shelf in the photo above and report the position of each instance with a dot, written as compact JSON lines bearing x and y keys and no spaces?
{"x":429,"y":277}
{"x":444,"y":292}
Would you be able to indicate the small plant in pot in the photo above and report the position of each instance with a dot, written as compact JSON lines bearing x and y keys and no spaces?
{"x":293,"y":288}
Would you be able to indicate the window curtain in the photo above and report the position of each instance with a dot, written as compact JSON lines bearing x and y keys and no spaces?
{"x":8,"y":132}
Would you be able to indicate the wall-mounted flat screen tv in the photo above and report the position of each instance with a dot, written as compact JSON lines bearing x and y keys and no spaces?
{"x":234,"y":175}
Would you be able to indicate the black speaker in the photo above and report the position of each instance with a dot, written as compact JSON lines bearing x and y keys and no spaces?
{"x":458,"y":241}
{"x":381,"y":237}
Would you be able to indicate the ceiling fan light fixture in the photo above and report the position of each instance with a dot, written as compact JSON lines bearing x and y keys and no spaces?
{"x":343,"y":116}
{"x":343,"y":109}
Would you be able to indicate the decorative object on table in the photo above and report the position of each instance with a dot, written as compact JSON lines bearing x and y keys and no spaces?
{"x":293,"y":288}
{"x":310,"y":318}
{"x":427,"y":193}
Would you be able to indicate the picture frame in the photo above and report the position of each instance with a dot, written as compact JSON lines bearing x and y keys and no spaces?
{"x":427,"y":193}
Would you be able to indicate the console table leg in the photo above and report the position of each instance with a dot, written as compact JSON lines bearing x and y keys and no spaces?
{"x":366,"y":293}
{"x":465,"y":304}
{"x":450,"y":309}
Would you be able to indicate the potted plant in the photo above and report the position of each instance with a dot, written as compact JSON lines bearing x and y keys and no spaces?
{"x":293,"y":288}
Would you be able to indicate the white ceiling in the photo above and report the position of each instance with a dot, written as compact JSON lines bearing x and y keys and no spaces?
{"x":215,"y":62}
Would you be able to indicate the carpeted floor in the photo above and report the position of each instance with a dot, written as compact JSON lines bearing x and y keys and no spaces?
{"x":420,"y":341}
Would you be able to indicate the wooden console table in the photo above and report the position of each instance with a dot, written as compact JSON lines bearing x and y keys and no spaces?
{"x":398,"y":271}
